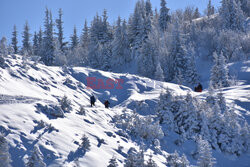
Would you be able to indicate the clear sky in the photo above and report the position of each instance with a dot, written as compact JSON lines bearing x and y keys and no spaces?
{"x":74,"y":12}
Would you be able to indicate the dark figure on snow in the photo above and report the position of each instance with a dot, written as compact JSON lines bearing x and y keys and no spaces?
{"x":198,"y":88}
{"x":92,"y":100}
{"x":106,"y":103}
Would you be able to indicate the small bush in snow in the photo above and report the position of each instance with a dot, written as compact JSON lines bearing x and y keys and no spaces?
{"x":51,"y":109}
{"x":2,"y":62}
{"x":174,"y":160}
{"x":112,"y":162}
{"x":65,"y":104}
{"x":136,"y":125}
{"x":151,"y":162}
{"x":5,"y":158}
{"x":81,"y":111}
{"x":85,"y":144}
{"x":36,"y":159}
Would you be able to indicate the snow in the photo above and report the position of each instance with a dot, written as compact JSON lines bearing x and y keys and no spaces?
{"x":21,"y":89}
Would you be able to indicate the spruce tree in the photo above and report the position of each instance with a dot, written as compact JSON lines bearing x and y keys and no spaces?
{"x":14,"y":40}
{"x":159,"y":75}
{"x":59,"y":25}
{"x":5,"y":157}
{"x":40,"y":42}
{"x":205,"y":158}
{"x":231,"y":15}
{"x":84,"y":40}
{"x":85,"y":145}
{"x":191,"y":72}
{"x":112,"y":162}
{"x":196,"y":13}
{"x":26,"y":49}
{"x":219,"y":72}
{"x":146,"y":62}
{"x":164,"y":17}
{"x":137,"y":27}
{"x":210,"y":8}
{"x":35,"y":44}
{"x":3,"y":47}
{"x":48,"y":40}
{"x":178,"y":64}
{"x":74,"y":39}
{"x":150,"y":162}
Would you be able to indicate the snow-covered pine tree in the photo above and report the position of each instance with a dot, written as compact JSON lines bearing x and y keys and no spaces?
{"x":188,"y":13}
{"x":74,"y":39}
{"x":196,"y":13}
{"x":159,"y":74}
{"x":140,"y":159}
{"x":85,"y":144}
{"x":3,"y":47}
{"x":84,"y":44}
{"x":210,"y":9}
{"x":205,"y":158}
{"x":131,"y":159}
{"x":65,"y":104}
{"x":48,"y":44}
{"x":186,"y":118}
{"x":94,"y":44}
{"x":3,"y":51}
{"x":191,"y":72}
{"x":120,"y":45}
{"x":40,"y":42}
{"x":221,"y":101}
{"x":35,"y":44}
{"x":245,"y":6}
{"x":215,"y":124}
{"x":231,"y":15}
{"x":5,"y":157}
{"x":60,"y":58}
{"x":146,"y":64}
{"x":164,"y":17}
{"x":151,"y":162}
{"x":178,"y":64}
{"x":59,"y":25}
{"x":219,"y":72}
{"x":84,"y":39}
{"x":26,"y":48}
{"x":174,"y":160}
{"x":203,"y":123}
{"x":148,"y":8}
{"x":229,"y":139}
{"x":106,"y":46}
{"x":14,"y":40}
{"x":112,"y":162}
{"x":148,"y":18}
{"x":137,"y":27}
{"x":36,"y":159}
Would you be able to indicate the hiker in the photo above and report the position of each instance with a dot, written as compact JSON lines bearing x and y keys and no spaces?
{"x":92,"y":100}
{"x":106,"y":103}
{"x":198,"y":88}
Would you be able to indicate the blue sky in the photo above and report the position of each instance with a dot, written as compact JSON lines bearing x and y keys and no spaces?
{"x":74,"y":12}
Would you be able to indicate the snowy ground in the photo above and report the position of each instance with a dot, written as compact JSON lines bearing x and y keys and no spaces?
{"x":23,"y":88}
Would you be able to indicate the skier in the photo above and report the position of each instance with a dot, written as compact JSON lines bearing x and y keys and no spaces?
{"x":106,"y":103}
{"x":198,"y":88}
{"x":92,"y":100}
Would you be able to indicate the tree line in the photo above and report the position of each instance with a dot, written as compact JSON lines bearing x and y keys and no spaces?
{"x":161,"y":45}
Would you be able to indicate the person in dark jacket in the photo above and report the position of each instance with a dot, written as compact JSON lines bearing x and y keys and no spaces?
{"x":92,"y":100}
{"x":106,"y":103}
{"x":198,"y":88}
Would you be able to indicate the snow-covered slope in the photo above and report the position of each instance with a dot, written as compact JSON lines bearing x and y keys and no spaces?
{"x":25,"y":87}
